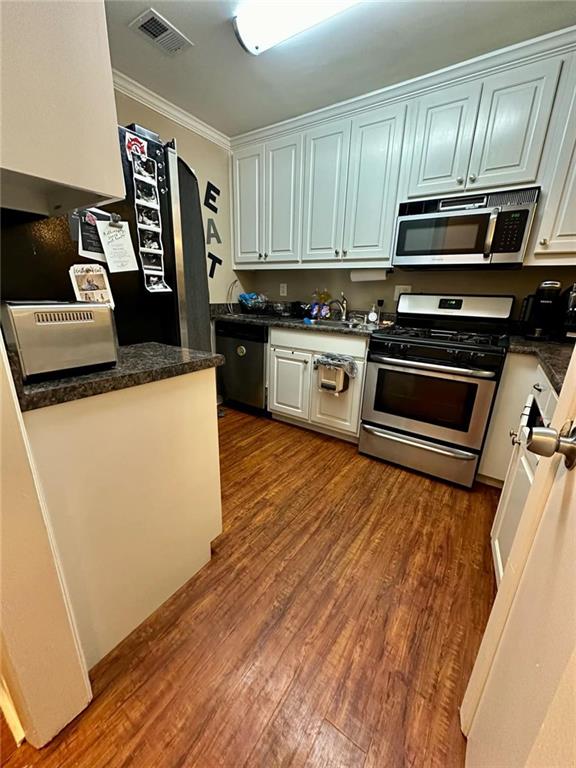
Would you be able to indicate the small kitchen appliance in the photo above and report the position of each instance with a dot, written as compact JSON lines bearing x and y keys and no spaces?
{"x":431,"y":381}
{"x":541,"y":311}
{"x":482,"y":230}
{"x":60,"y":336}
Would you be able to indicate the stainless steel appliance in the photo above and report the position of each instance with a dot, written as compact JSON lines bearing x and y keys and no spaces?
{"x":431,"y":381}
{"x":569,"y":312}
{"x":243,"y":377}
{"x":482,"y":230}
{"x":541,"y":311}
{"x":50,"y":337}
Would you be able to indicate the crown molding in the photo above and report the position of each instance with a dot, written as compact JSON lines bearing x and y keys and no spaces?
{"x":138,"y":92}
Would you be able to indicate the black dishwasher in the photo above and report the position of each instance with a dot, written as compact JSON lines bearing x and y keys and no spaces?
{"x":243,"y":377}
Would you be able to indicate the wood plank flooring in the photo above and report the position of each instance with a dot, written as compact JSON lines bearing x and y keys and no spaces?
{"x":336,"y":625}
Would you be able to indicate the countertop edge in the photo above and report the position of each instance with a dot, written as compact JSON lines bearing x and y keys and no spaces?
{"x":546,"y":352}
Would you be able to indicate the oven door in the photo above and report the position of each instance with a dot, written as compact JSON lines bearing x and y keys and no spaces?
{"x":446,"y":238}
{"x":432,"y":401}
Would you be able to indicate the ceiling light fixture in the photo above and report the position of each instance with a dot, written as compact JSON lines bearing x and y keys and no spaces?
{"x":261,"y":25}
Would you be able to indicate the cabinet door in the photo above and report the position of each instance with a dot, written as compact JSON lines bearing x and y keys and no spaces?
{"x":326,"y":167}
{"x":557,"y":233}
{"x":375,"y":149}
{"x":514,"y":494}
{"x":512,"y":121}
{"x":283,"y":199}
{"x":340,"y":412}
{"x":290,"y":383}
{"x":249,"y":204}
{"x":443,"y":140}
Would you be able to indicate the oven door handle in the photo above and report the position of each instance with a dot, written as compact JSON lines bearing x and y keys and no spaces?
{"x":473,"y":373}
{"x":490,"y":232}
{"x":452,"y":453}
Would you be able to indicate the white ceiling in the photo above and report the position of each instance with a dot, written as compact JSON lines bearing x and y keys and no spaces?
{"x":375,"y":44}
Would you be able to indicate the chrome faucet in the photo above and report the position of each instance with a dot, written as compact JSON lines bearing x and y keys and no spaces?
{"x":342,"y":306}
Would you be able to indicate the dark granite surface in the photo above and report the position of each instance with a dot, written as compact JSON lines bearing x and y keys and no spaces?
{"x":553,"y":356}
{"x":295,"y":324}
{"x":137,"y":364}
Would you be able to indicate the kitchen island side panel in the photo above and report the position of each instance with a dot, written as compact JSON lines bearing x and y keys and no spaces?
{"x":132,"y":485}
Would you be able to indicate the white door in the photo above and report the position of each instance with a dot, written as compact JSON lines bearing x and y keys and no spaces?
{"x":283,"y":198}
{"x":340,"y":412}
{"x":371,"y":197}
{"x":517,"y":711}
{"x":326,"y":152}
{"x":557,"y":235}
{"x":290,"y":382}
{"x":443,"y":140}
{"x":249,"y":204}
{"x":512,"y":122}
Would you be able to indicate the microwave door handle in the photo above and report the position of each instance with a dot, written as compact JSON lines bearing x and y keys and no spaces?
{"x":472,"y":373}
{"x":490,"y":232}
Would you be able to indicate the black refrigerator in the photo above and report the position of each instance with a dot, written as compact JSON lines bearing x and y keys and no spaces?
{"x":166,"y":299}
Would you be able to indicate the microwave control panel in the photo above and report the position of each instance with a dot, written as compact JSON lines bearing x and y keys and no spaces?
{"x":509,"y":231}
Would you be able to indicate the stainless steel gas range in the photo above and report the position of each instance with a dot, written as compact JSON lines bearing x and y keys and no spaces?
{"x":431,"y":382}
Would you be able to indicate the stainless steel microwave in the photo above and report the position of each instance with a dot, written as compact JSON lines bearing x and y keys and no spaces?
{"x":489,"y":229}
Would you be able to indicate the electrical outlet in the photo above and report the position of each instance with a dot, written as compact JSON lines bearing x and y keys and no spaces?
{"x":401,"y":289}
{"x":283,"y":289}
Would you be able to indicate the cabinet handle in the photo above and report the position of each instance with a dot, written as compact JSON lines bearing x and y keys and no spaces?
{"x":472,"y":177}
{"x":259,"y":255}
{"x":265,"y":255}
{"x":336,"y":253}
{"x":305,"y":362}
{"x":460,"y":180}
{"x":544,"y":241}
{"x":344,"y":253}
{"x":537,"y":387}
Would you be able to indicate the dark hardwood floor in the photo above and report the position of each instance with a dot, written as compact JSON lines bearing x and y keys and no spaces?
{"x":335,"y":626}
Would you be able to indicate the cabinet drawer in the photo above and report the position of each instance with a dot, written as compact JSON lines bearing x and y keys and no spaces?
{"x":317,"y":341}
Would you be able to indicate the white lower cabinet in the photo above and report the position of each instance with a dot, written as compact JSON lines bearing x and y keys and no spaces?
{"x":294,"y":387}
{"x":290,"y":382}
{"x":538,"y":409}
{"x":337,"y":411}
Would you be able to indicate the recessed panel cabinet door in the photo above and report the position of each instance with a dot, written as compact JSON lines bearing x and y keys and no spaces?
{"x":290,"y":383}
{"x":283,"y":198}
{"x":443,"y":140}
{"x":375,"y":149}
{"x":249,"y":204}
{"x":512,"y":122}
{"x":326,"y":168}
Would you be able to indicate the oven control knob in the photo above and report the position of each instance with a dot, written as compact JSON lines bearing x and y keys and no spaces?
{"x":403,"y":348}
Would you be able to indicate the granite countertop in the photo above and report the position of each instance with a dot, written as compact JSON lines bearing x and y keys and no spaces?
{"x":295,"y":324}
{"x":137,"y":364}
{"x":553,"y":356}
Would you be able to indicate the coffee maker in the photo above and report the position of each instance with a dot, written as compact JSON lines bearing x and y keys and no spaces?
{"x":541,"y":311}
{"x":569,"y":312}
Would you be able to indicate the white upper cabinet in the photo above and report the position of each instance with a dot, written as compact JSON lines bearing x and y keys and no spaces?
{"x":283,"y":198}
{"x":512,"y":122}
{"x":556,"y":238}
{"x":375,"y":150}
{"x":326,"y":166}
{"x":443,"y":140}
{"x":249,"y":204}
{"x":59,"y":138}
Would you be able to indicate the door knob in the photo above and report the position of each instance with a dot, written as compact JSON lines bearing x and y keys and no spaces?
{"x":545,"y":441}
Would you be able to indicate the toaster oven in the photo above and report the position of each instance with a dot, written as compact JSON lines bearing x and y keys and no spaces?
{"x":60,"y":336}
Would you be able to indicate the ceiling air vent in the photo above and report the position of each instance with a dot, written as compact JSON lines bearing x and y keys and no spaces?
{"x":159,"y":30}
